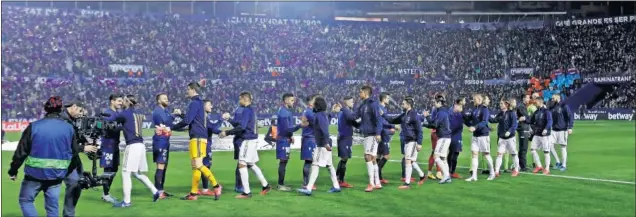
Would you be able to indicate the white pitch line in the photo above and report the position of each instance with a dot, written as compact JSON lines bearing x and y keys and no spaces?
{"x":556,"y":176}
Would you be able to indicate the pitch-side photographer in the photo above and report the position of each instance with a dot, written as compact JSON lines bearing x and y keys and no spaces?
{"x":48,"y":147}
{"x":72,"y":111}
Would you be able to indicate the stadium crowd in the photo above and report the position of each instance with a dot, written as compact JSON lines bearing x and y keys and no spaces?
{"x":233,"y":57}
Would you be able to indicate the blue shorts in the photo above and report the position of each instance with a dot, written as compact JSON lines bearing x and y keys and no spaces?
{"x":207,"y":160}
{"x":110,"y":155}
{"x":237,"y":148}
{"x":282,"y":149}
{"x":160,"y":151}
{"x":307,"y":146}
{"x":456,"y":145}
{"x":384,"y":148}
{"x":344,"y":146}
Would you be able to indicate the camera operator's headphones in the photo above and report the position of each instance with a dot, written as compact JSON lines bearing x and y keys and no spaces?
{"x":53,"y":104}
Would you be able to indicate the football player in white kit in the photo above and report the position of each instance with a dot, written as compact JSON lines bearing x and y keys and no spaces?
{"x":480,"y":142}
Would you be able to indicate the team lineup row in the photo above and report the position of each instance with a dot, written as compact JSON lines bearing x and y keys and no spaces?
{"x":369,"y":118}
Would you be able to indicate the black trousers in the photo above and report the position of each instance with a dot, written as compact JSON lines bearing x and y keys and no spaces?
{"x":523,"y":148}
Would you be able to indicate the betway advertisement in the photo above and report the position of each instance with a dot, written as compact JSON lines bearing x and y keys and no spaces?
{"x":605,"y":114}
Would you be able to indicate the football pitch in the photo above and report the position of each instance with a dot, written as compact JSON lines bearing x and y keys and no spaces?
{"x":600,"y":181}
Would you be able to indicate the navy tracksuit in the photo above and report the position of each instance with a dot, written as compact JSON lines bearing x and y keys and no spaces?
{"x":308,"y":140}
{"x":345,"y":133}
{"x":562,"y":117}
{"x":385,"y":147}
{"x":371,"y":120}
{"x":506,"y":122}
{"x":479,"y":120}
{"x":161,"y":143}
{"x":440,"y":121}
{"x":286,"y":129}
{"x":541,"y":120}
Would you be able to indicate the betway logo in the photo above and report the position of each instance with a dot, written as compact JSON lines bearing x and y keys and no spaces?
{"x":586,"y":116}
{"x":620,"y":116}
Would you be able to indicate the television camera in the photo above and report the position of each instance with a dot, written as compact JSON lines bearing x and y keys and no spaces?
{"x":93,"y":128}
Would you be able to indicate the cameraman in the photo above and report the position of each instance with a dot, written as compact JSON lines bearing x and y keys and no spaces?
{"x":50,"y":147}
{"x":109,"y":159}
{"x":72,"y":111}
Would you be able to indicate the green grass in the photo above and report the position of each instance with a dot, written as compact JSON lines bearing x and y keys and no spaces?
{"x":598,"y":150}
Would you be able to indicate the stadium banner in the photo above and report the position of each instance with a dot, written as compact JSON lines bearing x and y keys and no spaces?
{"x":273,"y":21}
{"x":596,"y":21}
{"x":437,"y":82}
{"x":521,"y":71}
{"x":495,"y":82}
{"x":526,"y":81}
{"x":15,"y":126}
{"x":275,"y":70}
{"x":355,"y":82}
{"x":395,"y":82}
{"x":473,"y":82}
{"x":408,"y":71}
{"x":53,"y":80}
{"x":611,"y":80}
{"x":605,"y":114}
{"x":125,"y":68}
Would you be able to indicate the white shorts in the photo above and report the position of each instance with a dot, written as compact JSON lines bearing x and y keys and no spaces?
{"x":441,"y":148}
{"x":543,"y":143}
{"x":370,"y":146}
{"x":248,"y":153}
{"x":507,"y":145}
{"x":560,"y":137}
{"x":410,"y":151}
{"x":480,"y":144}
{"x":322,"y":157}
{"x":135,"y":158}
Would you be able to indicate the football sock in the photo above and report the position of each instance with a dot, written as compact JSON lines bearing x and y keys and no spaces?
{"x":312,"y":177}
{"x":237,"y":181}
{"x":127,"y":185}
{"x":376,"y":174}
{"x":106,"y":186}
{"x":282,"y":168}
{"x":403,"y":168}
{"x":334,"y":178}
{"x":547,"y":161}
{"x":555,"y":154}
{"x":417,"y":169}
{"x":204,"y":182}
{"x":381,"y":164}
{"x":498,"y":163}
{"x":474,"y":162}
{"x":564,"y":154}
{"x":306,"y":171}
{"x":490,"y":166}
{"x":371,"y":172}
{"x":144,"y":179}
{"x":443,"y":166}
{"x":196,"y":178}
{"x":407,"y":175}
{"x":163,"y":178}
{"x":342,"y":170}
{"x":245,"y":180}
{"x":506,"y":161}
{"x":159,"y":179}
{"x":208,"y":174}
{"x":259,"y":175}
{"x":535,"y":157}
{"x":515,"y":159}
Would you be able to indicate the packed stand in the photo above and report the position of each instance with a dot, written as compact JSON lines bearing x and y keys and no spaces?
{"x":316,"y":59}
